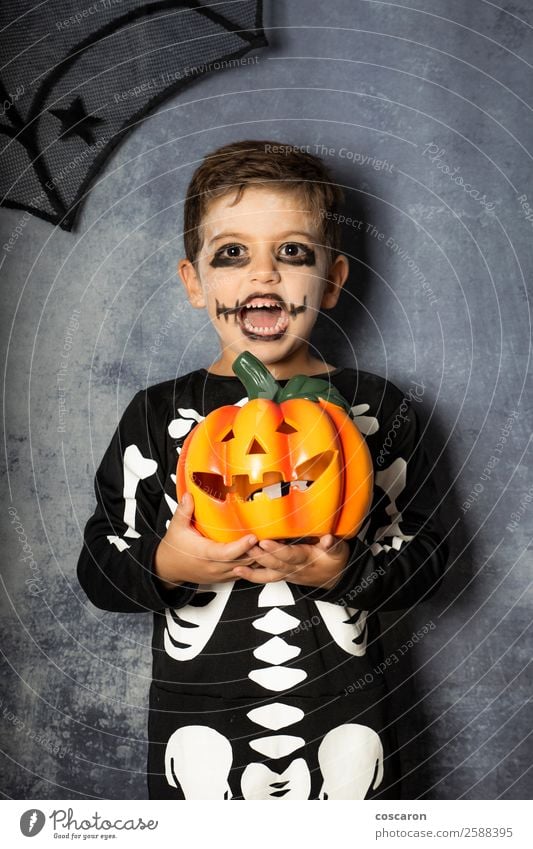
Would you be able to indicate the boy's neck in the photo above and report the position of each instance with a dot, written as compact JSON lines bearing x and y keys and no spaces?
{"x":301,"y":362}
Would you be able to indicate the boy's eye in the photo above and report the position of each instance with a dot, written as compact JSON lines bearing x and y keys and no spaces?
{"x":297,"y":253}
{"x":229,"y":255}
{"x":232,"y":251}
{"x":292,"y":249}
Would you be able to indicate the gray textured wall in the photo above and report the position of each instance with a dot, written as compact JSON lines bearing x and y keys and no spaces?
{"x":362,"y":79}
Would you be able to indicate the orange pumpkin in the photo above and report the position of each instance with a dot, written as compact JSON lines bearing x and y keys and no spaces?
{"x":290,"y":463}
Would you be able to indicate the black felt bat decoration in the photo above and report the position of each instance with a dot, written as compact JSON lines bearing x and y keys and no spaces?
{"x":76,"y":77}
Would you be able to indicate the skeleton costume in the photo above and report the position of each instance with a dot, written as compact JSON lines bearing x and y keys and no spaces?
{"x":265,"y":691}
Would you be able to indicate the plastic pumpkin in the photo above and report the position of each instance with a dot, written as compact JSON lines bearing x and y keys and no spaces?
{"x":290,"y":463}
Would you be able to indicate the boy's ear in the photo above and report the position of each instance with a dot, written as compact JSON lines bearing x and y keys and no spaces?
{"x":335,"y":280}
{"x":191,"y":281}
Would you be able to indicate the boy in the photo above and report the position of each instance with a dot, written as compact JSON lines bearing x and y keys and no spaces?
{"x":264,"y":653}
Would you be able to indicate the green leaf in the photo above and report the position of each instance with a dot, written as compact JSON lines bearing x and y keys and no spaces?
{"x":312,"y":388}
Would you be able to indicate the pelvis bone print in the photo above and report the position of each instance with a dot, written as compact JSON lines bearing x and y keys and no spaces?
{"x":199,"y":760}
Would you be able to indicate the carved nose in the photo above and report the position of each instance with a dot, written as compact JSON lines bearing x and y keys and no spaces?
{"x":256,"y":447}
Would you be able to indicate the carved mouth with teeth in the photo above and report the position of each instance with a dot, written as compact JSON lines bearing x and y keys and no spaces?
{"x":272,"y":486}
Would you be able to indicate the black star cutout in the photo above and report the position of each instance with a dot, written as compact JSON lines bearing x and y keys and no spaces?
{"x":75,"y":121}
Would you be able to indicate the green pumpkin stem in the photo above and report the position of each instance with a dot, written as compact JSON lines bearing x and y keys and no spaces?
{"x":259,"y":383}
{"x":255,"y":377}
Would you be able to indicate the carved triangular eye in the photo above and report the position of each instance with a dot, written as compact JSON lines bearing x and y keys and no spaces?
{"x":285,"y":427}
{"x":256,"y":448}
{"x":228,"y":436}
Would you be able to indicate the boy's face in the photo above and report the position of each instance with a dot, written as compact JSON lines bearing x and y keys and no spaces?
{"x":262,"y":273}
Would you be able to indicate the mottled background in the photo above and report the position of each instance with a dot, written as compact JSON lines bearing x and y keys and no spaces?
{"x":447,"y":83}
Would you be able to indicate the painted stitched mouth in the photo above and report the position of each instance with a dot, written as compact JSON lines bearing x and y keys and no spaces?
{"x":273,"y":486}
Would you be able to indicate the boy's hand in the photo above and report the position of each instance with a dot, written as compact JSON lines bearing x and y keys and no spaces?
{"x":312,"y":565}
{"x":185,"y":555}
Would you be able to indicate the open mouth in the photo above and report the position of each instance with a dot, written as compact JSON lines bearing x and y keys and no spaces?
{"x":272,"y":486}
{"x":263,"y":318}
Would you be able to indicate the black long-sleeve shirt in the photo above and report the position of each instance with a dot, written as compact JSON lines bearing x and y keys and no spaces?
{"x":209,"y":640}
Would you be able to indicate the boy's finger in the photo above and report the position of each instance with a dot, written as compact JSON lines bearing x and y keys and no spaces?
{"x":232,"y":550}
{"x":257,"y":576}
{"x":268,"y":561}
{"x":185,"y":508}
{"x":292,"y":555}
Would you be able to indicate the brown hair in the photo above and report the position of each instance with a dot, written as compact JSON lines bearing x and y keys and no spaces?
{"x":260,"y":163}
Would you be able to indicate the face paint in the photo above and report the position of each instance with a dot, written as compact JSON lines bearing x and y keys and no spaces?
{"x":293,"y":310}
{"x":298,"y":254}
{"x":305,"y":257}
{"x":224,"y":259}
{"x":270,"y":245}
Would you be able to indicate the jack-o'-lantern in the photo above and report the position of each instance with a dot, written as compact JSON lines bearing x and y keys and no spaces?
{"x":290,"y":463}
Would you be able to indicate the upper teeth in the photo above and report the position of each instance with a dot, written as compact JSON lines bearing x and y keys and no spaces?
{"x":264,"y":303}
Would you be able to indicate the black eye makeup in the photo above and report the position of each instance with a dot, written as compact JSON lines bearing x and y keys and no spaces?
{"x":232,"y":255}
{"x":296,"y":253}
{"x":236,"y":256}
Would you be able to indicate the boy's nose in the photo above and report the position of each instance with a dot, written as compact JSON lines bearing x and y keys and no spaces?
{"x":264,"y":275}
{"x":264,"y":270}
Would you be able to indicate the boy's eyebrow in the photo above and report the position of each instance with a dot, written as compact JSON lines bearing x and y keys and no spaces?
{"x":310,"y":236}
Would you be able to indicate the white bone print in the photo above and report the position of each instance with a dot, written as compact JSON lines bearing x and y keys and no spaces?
{"x":189,"y":628}
{"x":178,"y":428}
{"x":366,"y":424}
{"x":260,"y":782}
{"x":188,"y":417}
{"x":275,"y":651}
{"x":347,"y":626}
{"x":198,"y":759}
{"x":349,"y":756}
{"x":172,"y":504}
{"x":136,"y":468}
{"x":277,"y":745}
{"x":278,"y":678}
{"x":276,"y":715}
{"x":392,"y":481}
{"x":275,"y":594}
